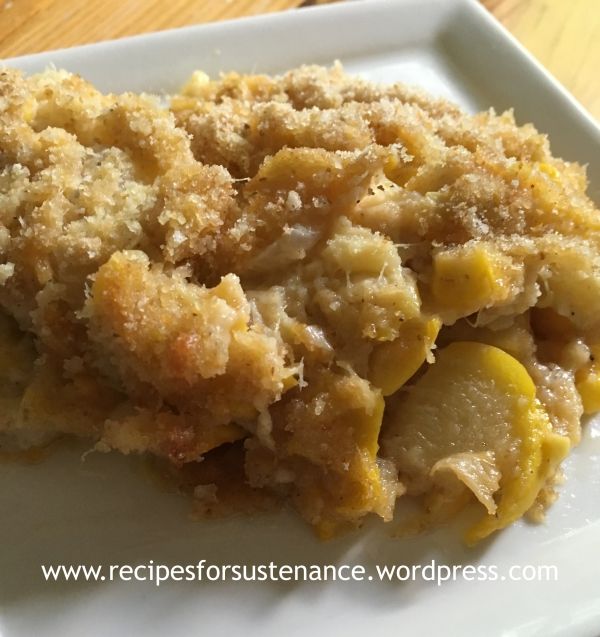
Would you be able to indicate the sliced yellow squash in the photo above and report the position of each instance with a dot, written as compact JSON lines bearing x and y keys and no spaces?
{"x":393,"y":363}
{"x":475,"y":399}
{"x":472,"y":277}
{"x":588,"y":382}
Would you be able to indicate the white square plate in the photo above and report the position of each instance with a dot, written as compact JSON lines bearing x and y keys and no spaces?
{"x":105,"y":511}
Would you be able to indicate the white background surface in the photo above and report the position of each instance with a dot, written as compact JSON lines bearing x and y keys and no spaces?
{"x":106,"y":509}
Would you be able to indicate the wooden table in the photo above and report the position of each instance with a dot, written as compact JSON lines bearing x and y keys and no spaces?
{"x":563,"y":34}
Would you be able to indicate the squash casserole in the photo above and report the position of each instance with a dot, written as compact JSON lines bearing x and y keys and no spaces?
{"x":305,"y":289}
